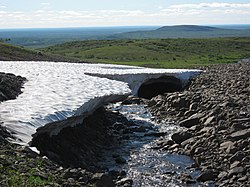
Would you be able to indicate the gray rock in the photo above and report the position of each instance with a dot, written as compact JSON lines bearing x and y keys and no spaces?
{"x":189,"y":122}
{"x":209,"y":130}
{"x":222,"y":175}
{"x":242,"y":134}
{"x":179,"y":103}
{"x":236,"y":171}
{"x":237,"y":156}
{"x":198,"y":150}
{"x":226,"y":144}
{"x":188,"y":141}
{"x":151,"y":103}
{"x":179,"y":137}
{"x":174,"y":146}
{"x":206,"y":176}
{"x":102,"y":180}
{"x":193,"y":106}
{"x":209,"y":120}
{"x":229,"y":147}
{"x":242,"y":179}
{"x":235,"y":164}
{"x":241,"y":120}
{"x":197,"y":116}
{"x":125,"y":182}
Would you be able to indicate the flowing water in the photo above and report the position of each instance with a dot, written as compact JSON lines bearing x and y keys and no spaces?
{"x":145,"y":165}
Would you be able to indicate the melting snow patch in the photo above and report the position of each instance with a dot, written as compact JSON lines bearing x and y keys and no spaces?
{"x":57,"y":91}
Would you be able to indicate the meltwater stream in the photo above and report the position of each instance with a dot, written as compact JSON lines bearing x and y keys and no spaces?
{"x":145,"y":165}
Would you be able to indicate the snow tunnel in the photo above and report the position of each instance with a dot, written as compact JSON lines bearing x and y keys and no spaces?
{"x":154,"y":87}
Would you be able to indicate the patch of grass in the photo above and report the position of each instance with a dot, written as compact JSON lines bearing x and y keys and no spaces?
{"x":10,"y":52}
{"x":19,"y":170}
{"x":15,"y":179}
{"x":158,"y":53}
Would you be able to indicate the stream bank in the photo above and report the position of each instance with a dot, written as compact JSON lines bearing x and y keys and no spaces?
{"x":120,"y":142}
{"x":215,"y":114}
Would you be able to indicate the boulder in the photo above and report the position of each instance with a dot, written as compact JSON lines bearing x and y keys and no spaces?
{"x":206,"y":176}
{"x":179,"y":137}
{"x":189,"y":122}
{"x":102,"y":180}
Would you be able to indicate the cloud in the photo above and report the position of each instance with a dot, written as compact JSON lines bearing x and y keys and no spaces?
{"x":211,"y":5}
{"x":200,"y":13}
{"x":208,"y":9}
{"x":2,"y":6}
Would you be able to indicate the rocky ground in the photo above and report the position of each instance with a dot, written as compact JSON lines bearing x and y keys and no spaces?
{"x":19,"y":166}
{"x":72,"y":156}
{"x":215,"y":115}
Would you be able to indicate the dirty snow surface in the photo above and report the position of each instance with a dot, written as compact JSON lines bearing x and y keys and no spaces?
{"x":56,"y":91}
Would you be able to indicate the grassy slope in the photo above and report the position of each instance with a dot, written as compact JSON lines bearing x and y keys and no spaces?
{"x":9,"y":52}
{"x":165,"y":53}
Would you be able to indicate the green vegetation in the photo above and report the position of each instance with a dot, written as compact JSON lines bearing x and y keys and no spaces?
{"x":19,"y":168}
{"x":158,"y":53}
{"x":9,"y":52}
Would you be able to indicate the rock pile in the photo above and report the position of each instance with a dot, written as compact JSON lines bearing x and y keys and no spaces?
{"x":215,"y":115}
{"x":10,"y":86}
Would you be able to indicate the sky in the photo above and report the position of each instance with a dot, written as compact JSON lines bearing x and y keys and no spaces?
{"x":87,"y":13}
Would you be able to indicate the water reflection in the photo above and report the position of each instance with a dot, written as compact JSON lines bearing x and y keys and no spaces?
{"x":147,"y":166}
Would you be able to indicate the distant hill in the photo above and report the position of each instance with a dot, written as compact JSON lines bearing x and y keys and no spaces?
{"x":10,"y":52}
{"x":188,"y":28}
{"x":37,"y":38}
{"x":183,"y":31}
